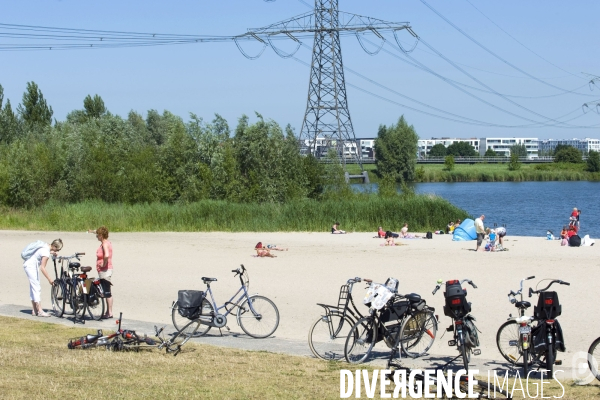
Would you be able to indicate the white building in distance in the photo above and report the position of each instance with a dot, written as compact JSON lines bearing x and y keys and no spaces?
{"x":425,"y":145}
{"x":548,"y":146}
{"x":502,"y":145}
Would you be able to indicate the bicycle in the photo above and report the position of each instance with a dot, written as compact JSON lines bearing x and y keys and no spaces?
{"x":465,"y":332}
{"x":131,"y":340}
{"x":404,"y":320}
{"x":82,"y":294}
{"x":514,"y":336}
{"x":547,"y":335}
{"x":594,"y":358}
{"x":256,"y":315}
{"x":327,"y":336}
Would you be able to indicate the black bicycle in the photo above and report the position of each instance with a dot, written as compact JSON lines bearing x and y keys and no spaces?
{"x":547,"y":335}
{"x":465,"y":332}
{"x":405,"y":322}
{"x":74,"y":293}
{"x":327,"y":336}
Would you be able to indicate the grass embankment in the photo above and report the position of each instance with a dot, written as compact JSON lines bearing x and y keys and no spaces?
{"x":361,"y":213}
{"x":36,"y":364}
{"x":482,"y":172}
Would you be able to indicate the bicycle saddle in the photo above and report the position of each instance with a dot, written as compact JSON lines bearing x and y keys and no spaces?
{"x":86,"y":269}
{"x":74,"y":265}
{"x":205,"y":279}
{"x":413,"y":297}
{"x":523,"y":304}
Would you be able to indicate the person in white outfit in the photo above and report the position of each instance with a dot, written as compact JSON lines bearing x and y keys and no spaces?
{"x":32,"y":266}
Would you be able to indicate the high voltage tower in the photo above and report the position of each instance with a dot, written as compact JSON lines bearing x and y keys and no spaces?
{"x":327,"y":114}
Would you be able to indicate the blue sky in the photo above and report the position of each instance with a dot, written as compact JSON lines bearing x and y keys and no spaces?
{"x":209,"y":78}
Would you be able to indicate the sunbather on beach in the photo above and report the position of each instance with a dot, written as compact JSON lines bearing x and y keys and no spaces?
{"x":336,"y":229}
{"x":262,"y":251}
{"x":404,"y":232}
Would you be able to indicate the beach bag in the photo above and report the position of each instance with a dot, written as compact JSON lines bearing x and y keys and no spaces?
{"x":31,"y":248}
{"x":429,"y":235}
{"x":190,"y":303}
{"x":575,"y":241}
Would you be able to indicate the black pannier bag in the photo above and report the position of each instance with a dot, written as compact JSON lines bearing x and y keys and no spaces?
{"x":395,"y":312}
{"x":456,"y":300}
{"x":539,"y":337}
{"x":471,"y":336}
{"x":548,"y":306}
{"x":189,"y":303}
{"x":575,"y":241}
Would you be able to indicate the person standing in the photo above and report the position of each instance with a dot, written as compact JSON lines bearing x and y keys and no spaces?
{"x":104,"y":267}
{"x":33,"y":264}
{"x":480,"y":230}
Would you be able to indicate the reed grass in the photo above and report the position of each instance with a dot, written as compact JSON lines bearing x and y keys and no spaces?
{"x":36,"y":364}
{"x":360,"y":213}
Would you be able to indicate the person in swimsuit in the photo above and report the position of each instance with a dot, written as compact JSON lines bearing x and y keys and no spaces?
{"x":262,"y":251}
{"x":336,"y":229}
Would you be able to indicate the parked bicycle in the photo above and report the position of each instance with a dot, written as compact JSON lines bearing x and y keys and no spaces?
{"x":594,"y":358}
{"x":514,"y":336}
{"x":73,"y":293}
{"x":546,"y":333}
{"x":130,"y":340}
{"x":256,"y":315}
{"x":404,"y":322}
{"x":327,"y":336}
{"x":465,"y":332}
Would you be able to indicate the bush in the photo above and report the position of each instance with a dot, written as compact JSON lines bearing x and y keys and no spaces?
{"x":514,"y":163}
{"x":449,"y":163}
{"x":568,"y":154}
{"x":593,"y":161}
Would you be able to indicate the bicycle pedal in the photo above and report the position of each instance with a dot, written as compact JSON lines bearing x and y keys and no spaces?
{"x":476,"y":352}
{"x":558,"y":362}
{"x":450,"y":328}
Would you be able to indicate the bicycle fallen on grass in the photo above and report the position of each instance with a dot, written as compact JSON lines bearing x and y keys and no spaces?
{"x":124,"y":339}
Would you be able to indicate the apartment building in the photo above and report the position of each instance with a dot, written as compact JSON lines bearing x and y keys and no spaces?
{"x":547,"y":146}
{"x":425,"y":145}
{"x":502,"y":145}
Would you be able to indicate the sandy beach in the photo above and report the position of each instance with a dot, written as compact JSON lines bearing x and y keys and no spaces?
{"x":149,"y":269}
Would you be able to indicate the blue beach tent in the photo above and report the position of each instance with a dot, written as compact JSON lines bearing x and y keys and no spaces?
{"x":465,"y":231}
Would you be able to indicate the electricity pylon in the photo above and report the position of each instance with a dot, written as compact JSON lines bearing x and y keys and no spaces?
{"x":327,"y":114}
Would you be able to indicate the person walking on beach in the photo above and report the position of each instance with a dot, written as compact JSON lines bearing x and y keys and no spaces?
{"x":104,"y":267}
{"x":35,"y":257}
{"x":480,"y":230}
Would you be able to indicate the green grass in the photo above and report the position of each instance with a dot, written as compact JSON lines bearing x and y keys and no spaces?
{"x":36,"y":364}
{"x":361,"y":213}
{"x":483,"y":172}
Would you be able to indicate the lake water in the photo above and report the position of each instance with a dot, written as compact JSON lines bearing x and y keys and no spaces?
{"x":527,"y":208}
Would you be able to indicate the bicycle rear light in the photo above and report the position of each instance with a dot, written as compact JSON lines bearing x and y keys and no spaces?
{"x":455,"y":302}
{"x":453,"y":282}
{"x":549,"y":302}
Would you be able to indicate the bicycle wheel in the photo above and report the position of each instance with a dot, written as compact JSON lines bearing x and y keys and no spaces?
{"x":509,"y":343}
{"x":418,"y":333}
{"x":205,"y":316}
{"x":78,"y":304}
{"x":550,"y":355}
{"x":58,"y":298}
{"x":180,"y":338}
{"x":360,"y":341}
{"x":466,"y":356}
{"x":94,"y":304}
{"x":594,"y":358}
{"x":68,"y":294}
{"x":327,"y":336}
{"x":258,"y":317}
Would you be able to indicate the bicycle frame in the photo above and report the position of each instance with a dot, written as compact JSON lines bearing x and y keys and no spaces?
{"x":355,"y":314}
{"x":216,"y":309}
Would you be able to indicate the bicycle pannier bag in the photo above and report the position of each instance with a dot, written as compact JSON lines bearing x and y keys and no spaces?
{"x":395,"y":312}
{"x":456,"y":300}
{"x":189,"y":303}
{"x":548,"y":306}
{"x":575,"y":241}
{"x":31,"y":248}
{"x":539,"y":338}
{"x":471,"y":336}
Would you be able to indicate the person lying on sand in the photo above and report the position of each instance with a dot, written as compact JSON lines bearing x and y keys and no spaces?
{"x":263,"y":251}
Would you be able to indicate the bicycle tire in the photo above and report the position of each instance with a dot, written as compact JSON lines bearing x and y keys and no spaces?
{"x":507,"y":333}
{"x":465,"y":356}
{"x":327,"y":336}
{"x":94,"y":309}
{"x":418,"y":333}
{"x":58,"y":298}
{"x":594,"y":358}
{"x":78,"y":304}
{"x":360,"y":341}
{"x":181,"y":337}
{"x":251,"y":323}
{"x":205,"y":315}
{"x":525,"y":361}
{"x":68,"y":290}
{"x":550,"y":358}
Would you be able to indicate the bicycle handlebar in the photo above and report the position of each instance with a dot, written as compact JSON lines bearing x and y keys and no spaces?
{"x":237,"y":271}
{"x":440,"y":283}
{"x":532,"y":292}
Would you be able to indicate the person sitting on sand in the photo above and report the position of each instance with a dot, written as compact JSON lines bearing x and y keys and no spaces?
{"x":404,"y":232}
{"x":380,"y":232}
{"x":336,"y":229}
{"x":457,"y":223}
{"x":450,"y":227}
{"x":263,"y":251}
{"x":564,"y":233}
{"x":389,"y":239}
